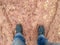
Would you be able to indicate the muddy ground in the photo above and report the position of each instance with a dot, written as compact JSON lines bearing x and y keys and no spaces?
{"x":31,"y":14}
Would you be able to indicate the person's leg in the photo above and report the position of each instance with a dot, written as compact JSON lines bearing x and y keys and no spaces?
{"x":41,"y":38}
{"x":18,"y":38}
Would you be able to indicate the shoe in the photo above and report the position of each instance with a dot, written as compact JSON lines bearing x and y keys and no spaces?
{"x":41,"y":30}
{"x":19,"y":28}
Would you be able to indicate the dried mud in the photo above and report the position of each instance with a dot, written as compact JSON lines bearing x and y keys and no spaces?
{"x":31,"y":14}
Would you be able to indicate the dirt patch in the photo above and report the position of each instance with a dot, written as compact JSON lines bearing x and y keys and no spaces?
{"x":31,"y":14}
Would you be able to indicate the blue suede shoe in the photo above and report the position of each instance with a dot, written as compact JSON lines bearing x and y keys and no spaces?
{"x":19,"y":28}
{"x":41,"y":30}
{"x":41,"y":36}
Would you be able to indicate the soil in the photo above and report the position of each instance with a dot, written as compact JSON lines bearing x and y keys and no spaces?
{"x":31,"y":14}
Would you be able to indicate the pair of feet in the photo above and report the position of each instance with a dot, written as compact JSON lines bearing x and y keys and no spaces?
{"x":41,"y":29}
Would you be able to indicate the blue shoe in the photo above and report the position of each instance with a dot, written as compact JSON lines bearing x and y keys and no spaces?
{"x":41,"y":30}
{"x":19,"y":28}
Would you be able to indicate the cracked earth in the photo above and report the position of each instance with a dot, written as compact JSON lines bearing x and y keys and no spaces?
{"x":31,"y":14}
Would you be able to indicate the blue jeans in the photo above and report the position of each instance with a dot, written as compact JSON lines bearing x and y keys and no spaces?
{"x":42,"y":40}
{"x":19,"y":40}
